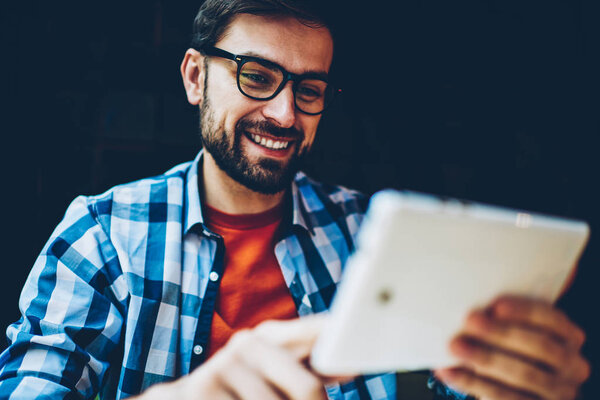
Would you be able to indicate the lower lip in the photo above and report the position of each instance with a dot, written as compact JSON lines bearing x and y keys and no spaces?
{"x":281,"y":153}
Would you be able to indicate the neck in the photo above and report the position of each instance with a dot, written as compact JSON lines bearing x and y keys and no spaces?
{"x":220,"y":191}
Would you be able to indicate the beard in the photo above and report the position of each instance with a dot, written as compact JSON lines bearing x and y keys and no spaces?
{"x":266,"y":176}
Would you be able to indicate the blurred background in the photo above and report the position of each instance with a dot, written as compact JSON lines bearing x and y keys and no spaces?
{"x":488,"y":100}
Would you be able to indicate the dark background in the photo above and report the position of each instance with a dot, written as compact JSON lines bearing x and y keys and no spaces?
{"x":489,"y":100}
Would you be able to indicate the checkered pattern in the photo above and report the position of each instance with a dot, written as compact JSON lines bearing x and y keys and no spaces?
{"x":120,"y":295}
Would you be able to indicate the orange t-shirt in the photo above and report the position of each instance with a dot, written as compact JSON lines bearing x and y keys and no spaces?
{"x":252,"y":287}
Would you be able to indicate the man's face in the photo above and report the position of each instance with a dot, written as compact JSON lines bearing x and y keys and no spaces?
{"x":260,"y":143}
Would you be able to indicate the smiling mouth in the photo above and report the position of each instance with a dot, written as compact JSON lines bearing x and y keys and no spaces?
{"x":269,"y":143}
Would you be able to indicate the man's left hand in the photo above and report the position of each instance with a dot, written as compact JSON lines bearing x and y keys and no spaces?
{"x":518,"y":348}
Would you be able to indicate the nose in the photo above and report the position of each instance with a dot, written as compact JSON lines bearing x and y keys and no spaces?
{"x":281,"y":109}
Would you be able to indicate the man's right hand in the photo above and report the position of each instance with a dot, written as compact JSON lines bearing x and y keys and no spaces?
{"x":267,"y":362}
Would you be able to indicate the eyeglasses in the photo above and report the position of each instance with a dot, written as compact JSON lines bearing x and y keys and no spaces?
{"x":261,"y":79}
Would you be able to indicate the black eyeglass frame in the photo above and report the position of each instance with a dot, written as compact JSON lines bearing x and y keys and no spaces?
{"x":287,"y":76}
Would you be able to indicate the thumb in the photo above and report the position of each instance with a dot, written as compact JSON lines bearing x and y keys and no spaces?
{"x":297,"y":335}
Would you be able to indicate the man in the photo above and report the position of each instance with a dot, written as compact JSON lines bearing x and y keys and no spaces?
{"x":164,"y":284}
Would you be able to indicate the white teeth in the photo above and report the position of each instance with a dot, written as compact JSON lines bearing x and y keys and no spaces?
{"x":269,"y":143}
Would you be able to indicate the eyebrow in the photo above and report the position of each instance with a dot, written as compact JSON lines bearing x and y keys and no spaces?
{"x":313,"y":73}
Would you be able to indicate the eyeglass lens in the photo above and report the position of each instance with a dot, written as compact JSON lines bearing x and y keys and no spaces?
{"x":261,"y":82}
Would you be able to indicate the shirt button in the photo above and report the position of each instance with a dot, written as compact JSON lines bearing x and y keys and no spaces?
{"x":198,"y":349}
{"x":213,"y":276}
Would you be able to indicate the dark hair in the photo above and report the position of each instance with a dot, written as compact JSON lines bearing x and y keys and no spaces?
{"x":214,"y":16}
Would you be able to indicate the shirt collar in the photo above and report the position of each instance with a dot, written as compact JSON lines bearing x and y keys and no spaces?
{"x":193,"y":206}
{"x":299,"y":210}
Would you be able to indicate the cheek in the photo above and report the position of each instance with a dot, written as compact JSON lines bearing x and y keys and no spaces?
{"x":306,"y":145}
{"x":309,"y":139}
{"x":310,"y":132}
{"x":225,"y":101}
{"x":230,"y":108}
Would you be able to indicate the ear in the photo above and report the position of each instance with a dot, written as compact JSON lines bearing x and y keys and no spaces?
{"x":192,"y":73}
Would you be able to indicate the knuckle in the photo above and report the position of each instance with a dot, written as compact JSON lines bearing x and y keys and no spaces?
{"x":575,"y":334}
{"x":506,"y":394}
{"x":568,"y":393}
{"x":267,"y":329}
{"x":543,"y":381}
{"x":310,"y":389}
{"x":562,"y":355}
{"x":267,"y":325}
{"x":556,"y":354}
{"x":535,"y":377}
{"x":497,"y":392}
{"x":485,"y":357}
{"x":520,"y":396}
{"x":548,"y":345}
{"x":316,"y":393}
{"x":465,"y":379}
{"x":214,"y":370}
{"x":240,"y":340}
{"x":582,"y":336}
{"x":488,"y":360}
{"x":586,"y":370}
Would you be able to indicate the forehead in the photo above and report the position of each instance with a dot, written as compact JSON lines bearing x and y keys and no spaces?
{"x":284,"y":40}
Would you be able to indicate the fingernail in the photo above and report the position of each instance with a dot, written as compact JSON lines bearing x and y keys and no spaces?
{"x":503,"y":308}
{"x":463,"y":348}
{"x":445,"y":374}
{"x":481,"y":321}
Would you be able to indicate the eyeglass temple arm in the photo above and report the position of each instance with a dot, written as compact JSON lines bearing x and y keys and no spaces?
{"x":213,"y":51}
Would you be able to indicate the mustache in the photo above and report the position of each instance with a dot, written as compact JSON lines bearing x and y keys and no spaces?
{"x":270,"y":128}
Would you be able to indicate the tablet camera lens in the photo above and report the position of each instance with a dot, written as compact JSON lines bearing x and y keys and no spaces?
{"x":384,"y":296}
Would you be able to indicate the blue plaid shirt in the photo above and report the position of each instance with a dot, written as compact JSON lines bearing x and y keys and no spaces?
{"x":123,"y":293}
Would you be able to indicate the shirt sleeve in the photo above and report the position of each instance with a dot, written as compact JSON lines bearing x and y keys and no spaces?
{"x":72,"y":307}
{"x":443,"y":392}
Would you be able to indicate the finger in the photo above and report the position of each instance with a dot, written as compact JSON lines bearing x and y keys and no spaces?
{"x":202,"y":382}
{"x":245,"y":383}
{"x":329,"y":379}
{"x":511,"y":371}
{"x":536,"y":345}
{"x":278,"y":366}
{"x":579,"y":370}
{"x":297,"y":335}
{"x":538,"y":314}
{"x":466,"y":381}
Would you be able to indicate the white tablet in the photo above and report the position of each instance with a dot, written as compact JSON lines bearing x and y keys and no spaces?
{"x":422,"y":263}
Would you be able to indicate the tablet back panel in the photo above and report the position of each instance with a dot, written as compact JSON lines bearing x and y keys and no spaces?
{"x":423,"y":263}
